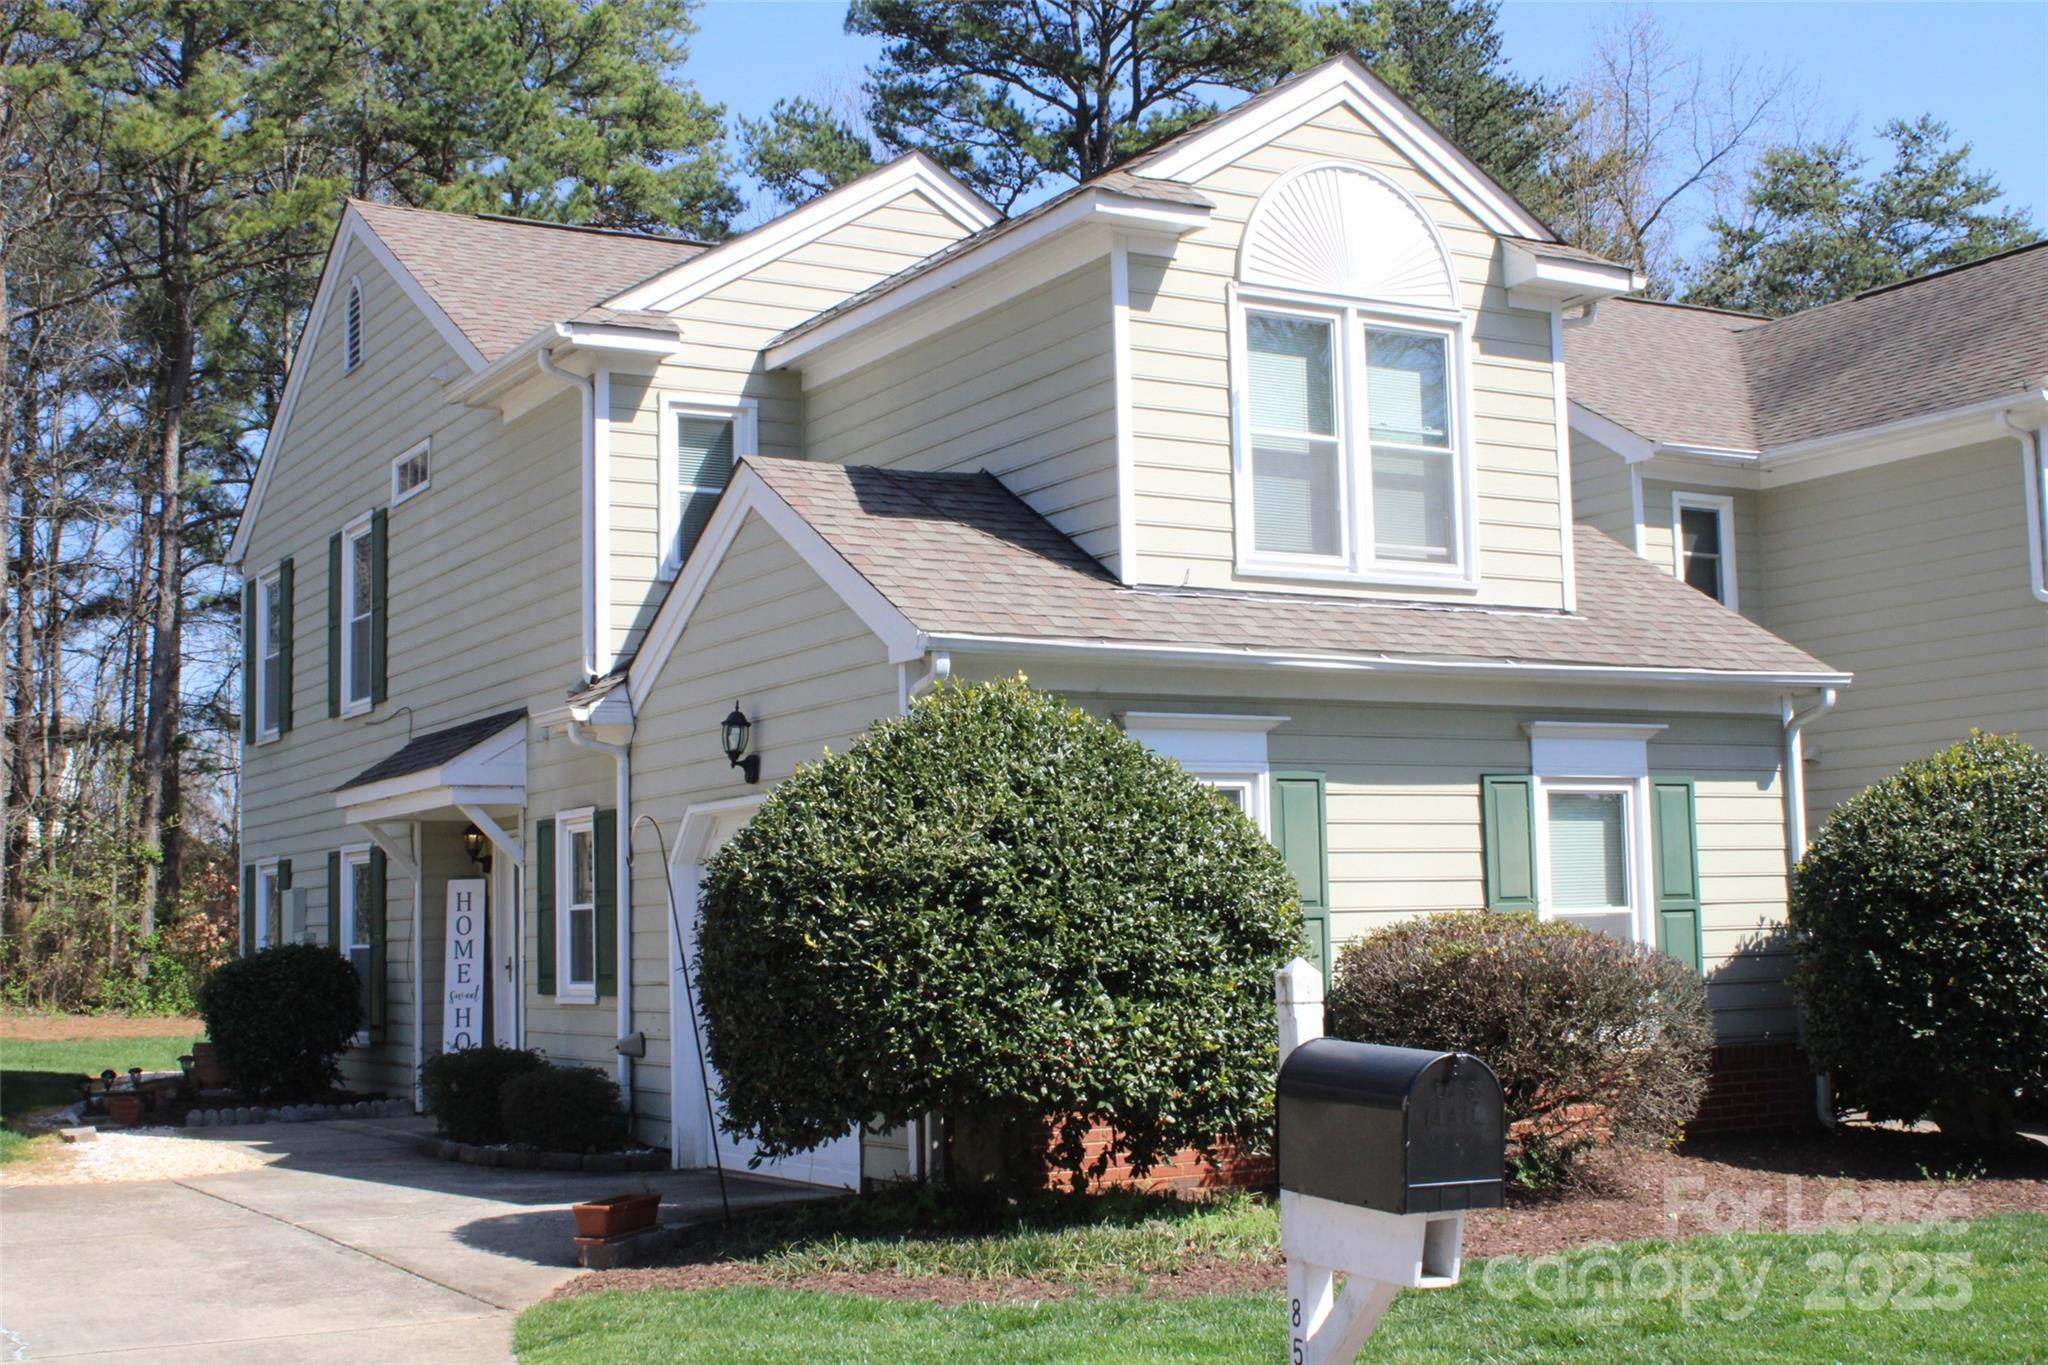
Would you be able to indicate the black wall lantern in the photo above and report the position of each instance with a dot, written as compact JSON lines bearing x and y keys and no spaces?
{"x":733,"y":732}
{"x":477,"y":847}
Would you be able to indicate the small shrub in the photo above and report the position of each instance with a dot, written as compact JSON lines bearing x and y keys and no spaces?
{"x":1586,"y":1033}
{"x":464,"y":1090}
{"x":1922,"y":919}
{"x":563,"y":1109}
{"x":1004,"y":910}
{"x":280,"y":1018}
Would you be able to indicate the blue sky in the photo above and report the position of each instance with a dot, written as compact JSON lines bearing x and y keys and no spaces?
{"x":1975,"y":65}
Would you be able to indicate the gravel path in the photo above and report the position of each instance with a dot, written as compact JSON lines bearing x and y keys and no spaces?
{"x":132,"y":1154}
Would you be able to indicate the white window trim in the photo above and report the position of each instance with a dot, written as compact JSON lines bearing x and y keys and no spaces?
{"x":265,"y":704}
{"x":745,"y":415}
{"x":2034,"y":465}
{"x":352,"y":857}
{"x":350,"y":534}
{"x":1723,"y":506}
{"x":259,"y":913}
{"x":1221,"y":750}
{"x":352,"y":307}
{"x":567,"y":824}
{"x":1596,"y":756}
{"x":398,"y":462}
{"x":1358,"y":563}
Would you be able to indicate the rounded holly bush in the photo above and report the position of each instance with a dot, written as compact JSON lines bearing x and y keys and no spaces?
{"x":1921,"y":919}
{"x":281,"y":1018}
{"x":1003,"y":910}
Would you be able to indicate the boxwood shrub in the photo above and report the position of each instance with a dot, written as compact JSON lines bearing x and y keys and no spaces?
{"x":563,"y":1109}
{"x":1921,"y":914}
{"x":1587,"y":1034}
{"x":462,"y":1089}
{"x":280,"y":1019}
{"x":1004,"y":910}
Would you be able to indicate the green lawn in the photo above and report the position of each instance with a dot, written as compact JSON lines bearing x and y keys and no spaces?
{"x":1975,"y":1291}
{"x":37,"y":1074}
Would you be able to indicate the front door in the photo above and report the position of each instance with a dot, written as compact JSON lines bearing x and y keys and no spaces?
{"x":696,"y":1135}
{"x":505,"y":944}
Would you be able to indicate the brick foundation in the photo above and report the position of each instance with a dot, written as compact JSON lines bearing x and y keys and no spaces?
{"x":1185,"y":1172}
{"x":1756,"y":1088}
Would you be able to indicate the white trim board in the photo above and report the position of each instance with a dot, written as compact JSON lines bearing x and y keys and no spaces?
{"x":732,"y":259}
{"x":1342,"y":82}
{"x":353,"y":228}
{"x":748,"y":494}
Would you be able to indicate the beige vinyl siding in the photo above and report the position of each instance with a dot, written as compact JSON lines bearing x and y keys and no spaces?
{"x":1912,"y":576}
{"x":480,"y":620}
{"x":770,"y":633}
{"x":1026,"y":392}
{"x":1181,"y":398}
{"x":1601,"y":494}
{"x":723,"y":334}
{"x":1749,"y":560}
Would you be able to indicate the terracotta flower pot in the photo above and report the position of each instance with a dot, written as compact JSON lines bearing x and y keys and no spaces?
{"x":124,"y":1106}
{"x":207,"y":1072}
{"x":617,"y":1215}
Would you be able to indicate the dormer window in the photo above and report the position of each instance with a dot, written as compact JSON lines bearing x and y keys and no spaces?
{"x":1353,"y":461}
{"x":352,"y":335}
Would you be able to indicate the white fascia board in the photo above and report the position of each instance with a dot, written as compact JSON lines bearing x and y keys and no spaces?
{"x":618,"y":338}
{"x":730,"y":260}
{"x":1616,"y":437}
{"x":507,"y":382}
{"x":1345,"y":83}
{"x":977,"y":267}
{"x":1540,"y":282}
{"x":352,"y":229}
{"x":1869,"y":447}
{"x":408,"y":805}
{"x":1022,"y":646}
{"x":748,"y":494}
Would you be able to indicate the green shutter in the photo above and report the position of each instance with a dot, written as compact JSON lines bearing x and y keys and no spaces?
{"x":1674,"y":831}
{"x":1507,"y":806}
{"x":544,"y":906}
{"x":380,"y":597}
{"x":604,"y":840}
{"x":1299,"y":820}
{"x":248,"y":908}
{"x":334,"y":904}
{"x":376,"y":910}
{"x":285,"y":585}
{"x":334,"y":625}
{"x":250,"y":683}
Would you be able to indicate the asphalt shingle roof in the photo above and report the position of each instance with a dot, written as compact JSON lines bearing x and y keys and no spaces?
{"x":500,"y":280}
{"x":959,"y":554}
{"x":434,"y":748}
{"x":1698,"y":376}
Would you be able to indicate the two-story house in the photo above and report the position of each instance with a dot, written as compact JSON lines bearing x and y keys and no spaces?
{"x":1864,"y":478}
{"x":1258,"y":445}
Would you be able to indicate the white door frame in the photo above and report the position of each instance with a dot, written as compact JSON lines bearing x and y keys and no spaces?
{"x":693,"y":1129}
{"x":505,"y":966}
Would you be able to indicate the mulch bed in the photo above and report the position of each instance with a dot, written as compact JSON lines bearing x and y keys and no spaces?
{"x":1856,"y":1176}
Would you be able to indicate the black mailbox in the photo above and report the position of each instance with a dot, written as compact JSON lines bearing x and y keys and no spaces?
{"x":1398,"y":1129}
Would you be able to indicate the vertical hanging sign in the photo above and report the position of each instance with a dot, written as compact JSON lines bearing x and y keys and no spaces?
{"x":462,"y":998}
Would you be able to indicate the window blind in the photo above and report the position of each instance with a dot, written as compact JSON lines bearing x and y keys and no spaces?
{"x":1406,"y":388}
{"x":703,"y":466}
{"x":1293,"y":387}
{"x":1588,"y":851}
{"x":1294,"y":496}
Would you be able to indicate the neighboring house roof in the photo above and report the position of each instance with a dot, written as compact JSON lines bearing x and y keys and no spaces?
{"x":1690,"y":376}
{"x":500,"y":279}
{"x":435,"y":748}
{"x":960,"y":555}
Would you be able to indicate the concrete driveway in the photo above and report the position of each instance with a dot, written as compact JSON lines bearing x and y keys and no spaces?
{"x":352,"y":1245}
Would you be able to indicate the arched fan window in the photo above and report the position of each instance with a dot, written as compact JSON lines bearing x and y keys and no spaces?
{"x":1353,"y":459}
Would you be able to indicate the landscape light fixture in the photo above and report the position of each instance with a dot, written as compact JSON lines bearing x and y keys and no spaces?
{"x":733,"y":732}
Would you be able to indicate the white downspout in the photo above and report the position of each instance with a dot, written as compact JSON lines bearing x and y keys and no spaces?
{"x":939,"y":672}
{"x":622,"y":765}
{"x":1795,"y":722}
{"x":587,"y":387}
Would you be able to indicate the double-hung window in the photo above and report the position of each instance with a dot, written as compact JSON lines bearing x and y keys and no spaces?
{"x":576,"y":897}
{"x":357,"y":906}
{"x":267,"y":919}
{"x":270,"y":654}
{"x":1227,"y":752}
{"x":1353,"y":456}
{"x":1703,"y":543}
{"x":700,"y":442}
{"x":1591,"y":839}
{"x":358,"y":605}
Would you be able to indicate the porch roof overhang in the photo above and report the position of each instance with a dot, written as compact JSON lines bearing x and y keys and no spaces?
{"x":464,"y":771}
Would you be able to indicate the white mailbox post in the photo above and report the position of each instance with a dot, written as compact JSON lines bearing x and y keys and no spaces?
{"x":1380,"y":1152}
